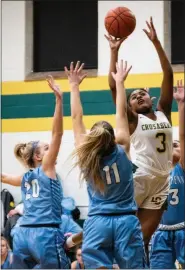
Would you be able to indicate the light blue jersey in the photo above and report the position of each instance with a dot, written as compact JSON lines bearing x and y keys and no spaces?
{"x":69,"y":225}
{"x":174,"y":217}
{"x":42,"y":198}
{"x":37,"y":240}
{"x":119,"y":189}
{"x":168,"y":242}
{"x":112,"y":230}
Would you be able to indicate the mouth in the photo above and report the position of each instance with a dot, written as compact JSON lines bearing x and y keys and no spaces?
{"x":140,"y":101}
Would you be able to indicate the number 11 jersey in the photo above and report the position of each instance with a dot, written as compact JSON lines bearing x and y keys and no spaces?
{"x":152,"y":142}
{"x":118,"y":196}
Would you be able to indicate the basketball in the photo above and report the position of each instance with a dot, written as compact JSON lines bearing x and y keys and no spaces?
{"x":120,"y":22}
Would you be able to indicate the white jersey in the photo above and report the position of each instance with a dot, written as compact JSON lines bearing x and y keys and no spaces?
{"x":152,"y":142}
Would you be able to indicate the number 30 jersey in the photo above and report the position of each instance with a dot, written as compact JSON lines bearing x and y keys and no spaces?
{"x":152,"y":142}
{"x":174,"y":217}
{"x":118,"y":196}
{"x":42,"y":198}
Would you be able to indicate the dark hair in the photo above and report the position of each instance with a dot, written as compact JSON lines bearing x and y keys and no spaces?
{"x":130,"y":93}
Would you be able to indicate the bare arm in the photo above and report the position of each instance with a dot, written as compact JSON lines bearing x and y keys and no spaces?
{"x":122,"y":127}
{"x":75,"y":78}
{"x":11,"y":179}
{"x":179,"y":96}
{"x":49,"y":160}
{"x":166,"y":97}
{"x":73,"y":265}
{"x":114,"y":49}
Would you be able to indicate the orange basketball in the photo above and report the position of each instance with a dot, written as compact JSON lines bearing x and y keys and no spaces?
{"x":120,"y":22}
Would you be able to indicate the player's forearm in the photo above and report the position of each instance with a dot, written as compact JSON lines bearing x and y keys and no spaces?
{"x":181,"y":120}
{"x":165,"y":64}
{"x":76,"y":105}
{"x":121,"y":104}
{"x":112,"y":68}
{"x":57,"y":129}
{"x":10,"y":179}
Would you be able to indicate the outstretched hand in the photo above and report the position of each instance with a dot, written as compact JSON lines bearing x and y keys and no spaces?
{"x":114,"y":43}
{"x":151,"y":34}
{"x":75,"y":75}
{"x":121,"y":72}
{"x":179,"y":92}
{"x":56,"y":88}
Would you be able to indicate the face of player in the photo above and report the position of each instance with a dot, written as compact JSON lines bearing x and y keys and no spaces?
{"x":140,"y":101}
{"x":4,"y":249}
{"x":79,"y":256}
{"x":176,"y":151}
{"x":43,"y":150}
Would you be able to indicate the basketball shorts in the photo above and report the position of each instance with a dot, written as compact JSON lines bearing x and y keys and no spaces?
{"x":151,"y":191}
{"x":39,"y":247}
{"x":109,"y":237}
{"x":167,"y":247}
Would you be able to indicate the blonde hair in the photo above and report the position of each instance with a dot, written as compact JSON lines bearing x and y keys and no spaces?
{"x":97,"y":144}
{"x":24,"y":152}
{"x":7,"y":244}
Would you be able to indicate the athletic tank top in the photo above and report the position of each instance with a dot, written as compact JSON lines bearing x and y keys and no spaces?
{"x":42,"y":198}
{"x":174,"y":217}
{"x":152,"y":142}
{"x":118,"y":197}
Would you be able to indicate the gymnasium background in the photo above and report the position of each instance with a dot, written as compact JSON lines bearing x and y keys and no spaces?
{"x":30,"y":36}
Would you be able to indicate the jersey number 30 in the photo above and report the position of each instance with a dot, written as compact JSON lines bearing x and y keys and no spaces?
{"x":114,"y":167}
{"x":162,"y":137}
{"x":35,"y":189}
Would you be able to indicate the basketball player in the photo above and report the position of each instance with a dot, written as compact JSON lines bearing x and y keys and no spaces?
{"x":151,"y":136}
{"x":39,"y":241}
{"x":112,"y":228}
{"x":168,"y":243}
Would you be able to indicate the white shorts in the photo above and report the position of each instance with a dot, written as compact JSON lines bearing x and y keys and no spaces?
{"x":151,"y":191}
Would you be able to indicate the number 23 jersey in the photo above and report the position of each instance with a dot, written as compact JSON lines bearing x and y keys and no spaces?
{"x":152,"y":142}
{"x":174,"y":217}
{"x":42,"y":198}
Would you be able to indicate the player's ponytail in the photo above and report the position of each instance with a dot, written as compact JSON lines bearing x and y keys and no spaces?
{"x":97,"y":144}
{"x":24,"y":153}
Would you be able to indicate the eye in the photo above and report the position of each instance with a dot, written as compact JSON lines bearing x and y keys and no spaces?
{"x":133,"y":97}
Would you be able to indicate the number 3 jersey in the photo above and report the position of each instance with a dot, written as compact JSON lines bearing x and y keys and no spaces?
{"x":42,"y":198}
{"x":118,"y":196}
{"x":174,"y":217}
{"x":152,"y":142}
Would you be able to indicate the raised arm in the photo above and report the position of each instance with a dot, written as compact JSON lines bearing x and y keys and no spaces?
{"x":11,"y":179}
{"x":179,"y":96}
{"x":114,"y":44}
{"x":49,"y":159}
{"x":122,"y":127}
{"x":166,"y":97}
{"x":75,"y":77}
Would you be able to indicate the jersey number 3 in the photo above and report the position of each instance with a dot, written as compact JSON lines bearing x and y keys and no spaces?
{"x":114,"y":167}
{"x":35,"y":189}
{"x":162,"y":137}
{"x":174,"y":198}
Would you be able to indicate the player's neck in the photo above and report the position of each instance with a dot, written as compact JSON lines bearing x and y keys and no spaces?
{"x":150,"y":114}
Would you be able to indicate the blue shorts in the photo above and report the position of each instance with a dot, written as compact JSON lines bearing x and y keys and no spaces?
{"x":109,"y":237}
{"x":166,"y":248}
{"x":39,"y":247}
